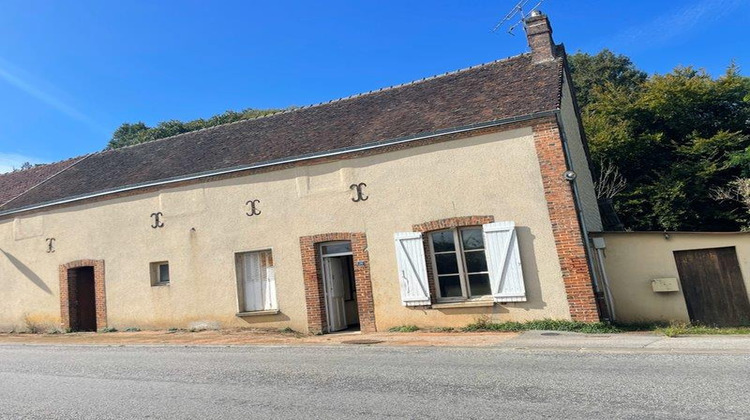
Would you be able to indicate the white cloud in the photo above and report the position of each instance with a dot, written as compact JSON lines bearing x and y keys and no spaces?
{"x":673,"y":24}
{"x":10,"y":161}
{"x":16,"y":78}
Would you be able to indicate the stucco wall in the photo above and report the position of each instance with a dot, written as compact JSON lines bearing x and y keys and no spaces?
{"x":633,"y":259}
{"x":205,"y":225}
{"x":580,"y":163}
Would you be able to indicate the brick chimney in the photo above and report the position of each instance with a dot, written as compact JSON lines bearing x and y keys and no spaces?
{"x":539,"y":35}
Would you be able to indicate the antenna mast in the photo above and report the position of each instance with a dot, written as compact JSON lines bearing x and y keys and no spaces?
{"x":517,"y":12}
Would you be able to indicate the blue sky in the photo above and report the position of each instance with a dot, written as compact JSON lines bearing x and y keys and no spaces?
{"x":73,"y":71}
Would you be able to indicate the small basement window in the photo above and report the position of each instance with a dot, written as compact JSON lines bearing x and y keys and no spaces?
{"x":160,"y":273}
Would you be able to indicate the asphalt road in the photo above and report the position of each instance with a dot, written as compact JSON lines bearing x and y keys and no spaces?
{"x":50,"y":382}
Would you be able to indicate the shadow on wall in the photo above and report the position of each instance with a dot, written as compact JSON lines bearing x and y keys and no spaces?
{"x":252,"y":320}
{"x":26,"y":271}
{"x":534,"y":298}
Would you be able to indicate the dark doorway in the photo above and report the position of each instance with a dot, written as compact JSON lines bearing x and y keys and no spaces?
{"x":712,"y":283}
{"x":339,"y":286}
{"x":84,"y":298}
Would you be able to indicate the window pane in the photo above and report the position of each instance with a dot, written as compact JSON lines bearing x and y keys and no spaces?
{"x":443,"y":241}
{"x":446,"y":263}
{"x":472,"y":238}
{"x":337,"y":248}
{"x":450,"y":286}
{"x":476,"y":261}
{"x":164,"y":273}
{"x":479,"y":284}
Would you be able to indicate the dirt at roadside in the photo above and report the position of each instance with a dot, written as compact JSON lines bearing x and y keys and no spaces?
{"x":261,"y":337}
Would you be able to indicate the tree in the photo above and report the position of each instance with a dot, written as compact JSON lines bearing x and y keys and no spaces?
{"x":737,"y":190}
{"x":675,"y":138}
{"x":128,"y":134}
{"x":136,"y":133}
{"x":593,"y":72}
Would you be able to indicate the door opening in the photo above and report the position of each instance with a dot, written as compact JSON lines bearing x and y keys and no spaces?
{"x":83,"y":301}
{"x":339,"y":286}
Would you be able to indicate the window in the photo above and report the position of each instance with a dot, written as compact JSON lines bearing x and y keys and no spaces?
{"x":460,"y":263}
{"x":160,"y":273}
{"x":256,"y":281}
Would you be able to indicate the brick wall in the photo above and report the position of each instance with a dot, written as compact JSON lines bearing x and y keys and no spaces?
{"x":313,"y":278}
{"x":68,"y":293}
{"x":566,"y":227}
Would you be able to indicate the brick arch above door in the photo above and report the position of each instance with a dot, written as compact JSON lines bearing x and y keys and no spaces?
{"x":312,"y":273}
{"x":68,"y":292}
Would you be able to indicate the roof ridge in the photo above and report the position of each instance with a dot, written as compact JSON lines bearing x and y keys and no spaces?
{"x":77,"y":159}
{"x":318,"y":104}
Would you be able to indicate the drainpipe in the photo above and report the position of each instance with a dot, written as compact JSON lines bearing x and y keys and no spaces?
{"x":605,"y":282}
{"x":579,"y":211}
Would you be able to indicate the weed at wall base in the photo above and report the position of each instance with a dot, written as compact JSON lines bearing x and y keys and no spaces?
{"x":484,"y":324}
{"x":404,"y":329}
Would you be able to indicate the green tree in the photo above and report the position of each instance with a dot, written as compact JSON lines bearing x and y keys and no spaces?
{"x":129,"y":134}
{"x":592,"y":72}
{"x":676,"y":138}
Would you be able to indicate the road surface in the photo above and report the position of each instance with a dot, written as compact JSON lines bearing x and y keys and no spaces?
{"x":98,"y":382}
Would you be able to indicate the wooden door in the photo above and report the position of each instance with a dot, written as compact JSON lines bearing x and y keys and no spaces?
{"x":334,"y":290}
{"x":712,"y":283}
{"x":86,"y":299}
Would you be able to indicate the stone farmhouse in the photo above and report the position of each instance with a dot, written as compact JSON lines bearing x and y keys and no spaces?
{"x":433,"y":203}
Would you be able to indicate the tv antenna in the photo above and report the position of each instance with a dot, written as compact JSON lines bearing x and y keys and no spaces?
{"x":516,"y":12}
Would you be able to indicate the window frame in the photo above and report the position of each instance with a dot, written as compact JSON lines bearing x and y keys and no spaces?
{"x":350,"y":287}
{"x":463,"y":272}
{"x":239,"y":275}
{"x":155,"y":269}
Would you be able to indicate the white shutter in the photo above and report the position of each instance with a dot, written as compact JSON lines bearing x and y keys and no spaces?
{"x":504,"y":262}
{"x":270,"y":295}
{"x":412,"y":269}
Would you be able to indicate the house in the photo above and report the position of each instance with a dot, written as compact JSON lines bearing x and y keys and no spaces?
{"x":459,"y":196}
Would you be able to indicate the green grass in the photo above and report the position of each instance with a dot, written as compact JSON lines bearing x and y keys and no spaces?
{"x":675,"y":330}
{"x":443,"y":329}
{"x":668,"y":329}
{"x":108,"y":330}
{"x":544,"y":324}
{"x":404,"y":329}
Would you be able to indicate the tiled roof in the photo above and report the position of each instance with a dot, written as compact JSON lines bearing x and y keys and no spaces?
{"x":490,"y":92}
{"x":13,"y":184}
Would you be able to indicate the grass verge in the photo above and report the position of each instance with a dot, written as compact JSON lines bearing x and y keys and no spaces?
{"x":675,"y":330}
{"x":404,"y":329}
{"x":544,"y":324}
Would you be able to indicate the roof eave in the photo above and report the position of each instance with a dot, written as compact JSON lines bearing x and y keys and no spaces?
{"x":301,"y":158}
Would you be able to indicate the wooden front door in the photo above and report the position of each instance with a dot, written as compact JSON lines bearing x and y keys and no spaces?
{"x":86,"y":299}
{"x":712,"y":283}
{"x":333,"y":284}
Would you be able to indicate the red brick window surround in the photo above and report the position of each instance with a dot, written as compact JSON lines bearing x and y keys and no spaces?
{"x":433,"y":225}
{"x":453,"y":222}
{"x":68,"y":293}
{"x":313,"y":278}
